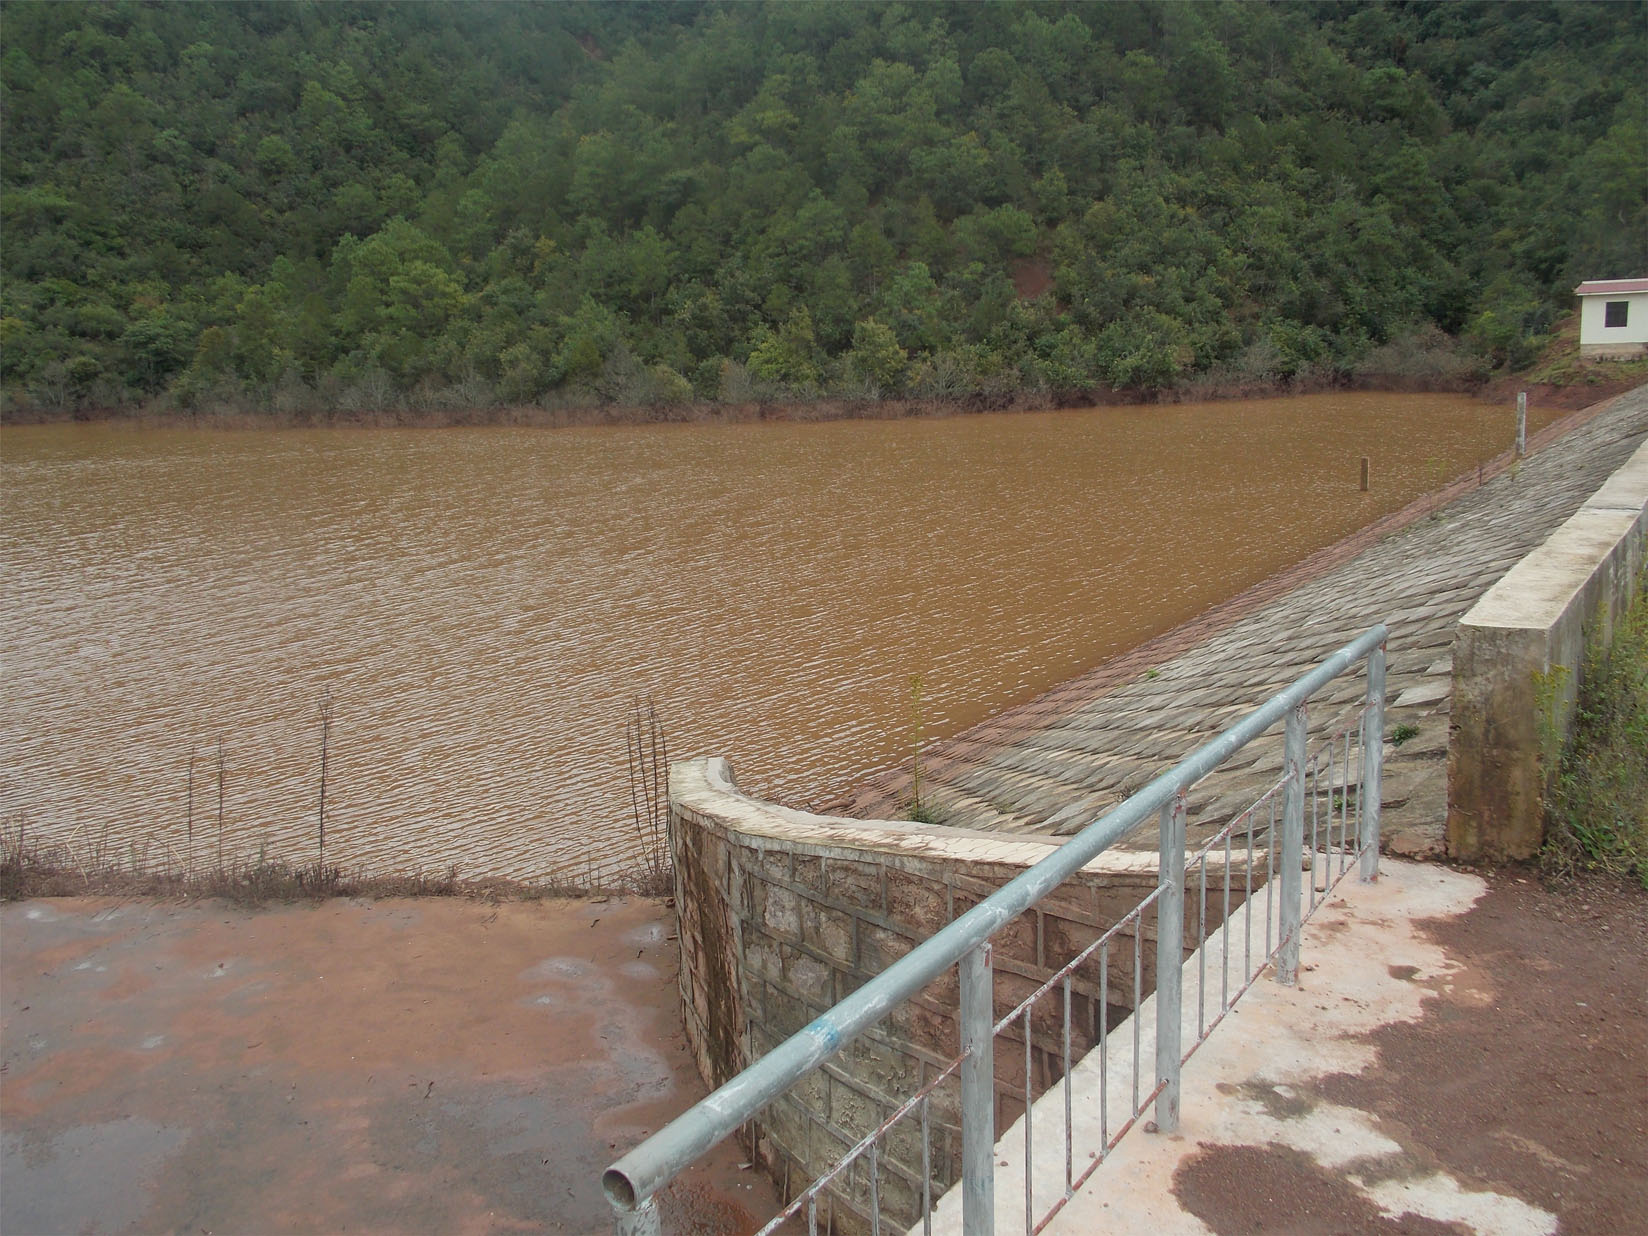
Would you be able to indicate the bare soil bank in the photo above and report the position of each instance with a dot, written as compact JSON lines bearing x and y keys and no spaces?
{"x":1528,"y":1075}
{"x":421,"y":1065}
{"x":1570,"y":397}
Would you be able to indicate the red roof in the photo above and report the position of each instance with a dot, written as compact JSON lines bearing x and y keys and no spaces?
{"x":1610,"y":287}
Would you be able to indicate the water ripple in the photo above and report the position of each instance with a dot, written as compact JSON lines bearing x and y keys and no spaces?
{"x":484,"y":605}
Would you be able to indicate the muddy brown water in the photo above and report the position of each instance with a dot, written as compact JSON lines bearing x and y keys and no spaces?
{"x":482,"y":606}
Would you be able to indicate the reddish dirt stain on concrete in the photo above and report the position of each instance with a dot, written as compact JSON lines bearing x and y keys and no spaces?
{"x":1279,"y":1191}
{"x":434,"y":1065}
{"x":1527,"y":1075}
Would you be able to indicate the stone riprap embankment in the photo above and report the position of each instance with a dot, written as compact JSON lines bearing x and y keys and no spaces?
{"x":1057,"y":763}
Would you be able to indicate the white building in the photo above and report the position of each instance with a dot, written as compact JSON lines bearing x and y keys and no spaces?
{"x":1613,"y":317}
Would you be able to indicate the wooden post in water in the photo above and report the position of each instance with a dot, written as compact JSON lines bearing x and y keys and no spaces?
{"x":1364,"y":474}
{"x":1521,"y":424}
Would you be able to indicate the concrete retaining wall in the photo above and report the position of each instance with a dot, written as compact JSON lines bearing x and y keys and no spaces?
{"x":783,"y":913}
{"x":1517,"y":659}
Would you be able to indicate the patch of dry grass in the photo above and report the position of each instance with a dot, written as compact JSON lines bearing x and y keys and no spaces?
{"x":31,"y":867}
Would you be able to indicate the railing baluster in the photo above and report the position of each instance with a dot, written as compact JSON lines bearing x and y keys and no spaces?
{"x":926,"y":1161}
{"x":978,"y":1095}
{"x":1104,"y":1049}
{"x":1373,"y":759}
{"x":1315,"y":792}
{"x":1170,"y":865}
{"x":1247,"y":906}
{"x":1029,"y":1103}
{"x":1293,"y":841}
{"x":1224,"y":937}
{"x":1201,"y":945}
{"x":1069,"y":1150}
{"x":1344,"y":812}
{"x":875,"y":1188}
{"x":1138,"y":984}
{"x":1270,"y":880}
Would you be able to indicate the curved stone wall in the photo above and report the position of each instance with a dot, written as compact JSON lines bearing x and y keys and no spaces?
{"x":782,"y":913}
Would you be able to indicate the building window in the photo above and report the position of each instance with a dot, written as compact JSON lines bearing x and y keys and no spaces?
{"x":1614,"y":312}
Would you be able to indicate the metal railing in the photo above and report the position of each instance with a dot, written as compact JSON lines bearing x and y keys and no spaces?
{"x":1293,"y":840}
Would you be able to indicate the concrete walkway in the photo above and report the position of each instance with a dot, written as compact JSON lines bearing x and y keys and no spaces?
{"x":1057,"y":763}
{"x":1414,"y":1081}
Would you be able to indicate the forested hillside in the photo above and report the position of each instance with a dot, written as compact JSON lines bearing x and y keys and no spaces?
{"x":335,"y":206}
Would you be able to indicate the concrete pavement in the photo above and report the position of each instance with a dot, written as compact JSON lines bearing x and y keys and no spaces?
{"x":1461,"y":1055}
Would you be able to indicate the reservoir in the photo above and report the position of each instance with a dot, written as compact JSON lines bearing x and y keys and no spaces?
{"x":477,"y":610}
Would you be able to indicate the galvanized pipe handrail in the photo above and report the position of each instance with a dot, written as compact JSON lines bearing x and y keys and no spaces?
{"x":632,"y":1180}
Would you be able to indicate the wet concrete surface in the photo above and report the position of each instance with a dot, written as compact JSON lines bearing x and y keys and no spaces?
{"x":433,"y":1065}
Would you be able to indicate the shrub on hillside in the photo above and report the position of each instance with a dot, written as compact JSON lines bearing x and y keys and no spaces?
{"x":1597,"y":817}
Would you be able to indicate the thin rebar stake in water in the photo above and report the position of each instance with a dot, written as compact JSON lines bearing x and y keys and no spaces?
{"x":325,"y":737}
{"x":220,"y":804}
{"x":916,"y":810}
{"x":648,"y":753}
{"x":189,"y":817}
{"x":660,"y":793}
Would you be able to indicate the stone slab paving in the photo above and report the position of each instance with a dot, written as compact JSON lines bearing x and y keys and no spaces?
{"x":1058,"y":762}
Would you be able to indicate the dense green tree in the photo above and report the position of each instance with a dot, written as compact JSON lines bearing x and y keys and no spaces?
{"x":788,"y":356}
{"x":876,"y":357}
{"x":251,"y":201}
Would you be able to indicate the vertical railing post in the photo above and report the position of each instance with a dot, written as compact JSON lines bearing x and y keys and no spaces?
{"x":1293,"y":844}
{"x":1373,"y":765}
{"x":644,"y":1220}
{"x":978,"y":1094}
{"x":1170,"y":916}
{"x":1521,"y":424}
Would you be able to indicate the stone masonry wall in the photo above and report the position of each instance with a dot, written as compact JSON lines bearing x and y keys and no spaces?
{"x":783,"y":913}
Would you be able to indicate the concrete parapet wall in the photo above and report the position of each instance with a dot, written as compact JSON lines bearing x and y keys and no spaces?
{"x":783,"y":913}
{"x":1517,"y":659}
